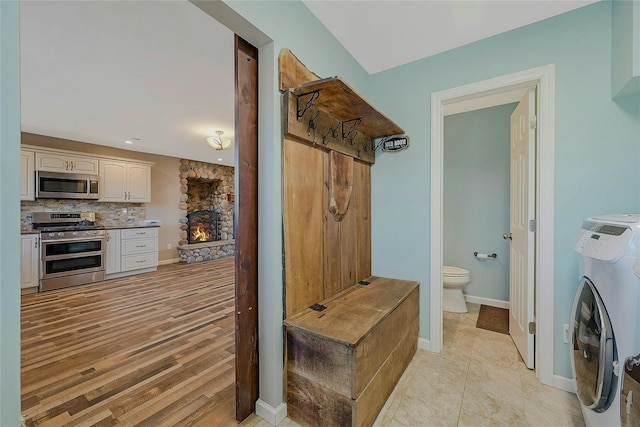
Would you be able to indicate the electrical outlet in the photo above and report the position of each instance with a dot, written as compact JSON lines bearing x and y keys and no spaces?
{"x":168,"y":245}
{"x":565,"y":333}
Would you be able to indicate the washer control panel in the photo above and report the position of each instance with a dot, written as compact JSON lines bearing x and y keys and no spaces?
{"x":603,"y":241}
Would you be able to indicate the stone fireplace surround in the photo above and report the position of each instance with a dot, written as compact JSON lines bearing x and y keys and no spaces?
{"x":205,"y":186}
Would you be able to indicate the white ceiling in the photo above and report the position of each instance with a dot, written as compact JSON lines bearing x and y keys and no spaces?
{"x":107,"y":71}
{"x":384,"y":34}
{"x":162,"y":71}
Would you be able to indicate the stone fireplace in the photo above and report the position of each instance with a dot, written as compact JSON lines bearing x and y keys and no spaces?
{"x":206,"y":211}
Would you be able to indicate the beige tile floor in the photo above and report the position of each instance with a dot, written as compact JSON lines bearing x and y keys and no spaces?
{"x":477,"y":380}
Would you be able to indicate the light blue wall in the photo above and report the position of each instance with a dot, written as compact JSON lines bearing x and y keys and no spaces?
{"x":476,"y":197}
{"x":597,"y":145}
{"x":9,"y":215}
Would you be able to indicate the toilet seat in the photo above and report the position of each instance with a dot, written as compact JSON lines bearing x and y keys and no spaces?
{"x":450,"y":271}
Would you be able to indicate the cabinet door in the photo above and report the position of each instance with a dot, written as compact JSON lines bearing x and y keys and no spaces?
{"x":139,"y":183}
{"x":52,"y":162}
{"x":65,"y":163}
{"x":112,"y":257}
{"x":29,"y":260}
{"x":27,"y":175}
{"x":83,"y":165}
{"x":113,"y":181}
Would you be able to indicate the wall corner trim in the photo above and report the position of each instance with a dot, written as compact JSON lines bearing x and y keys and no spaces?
{"x":273,"y":416}
{"x":424,"y":344}
{"x":564,"y":383}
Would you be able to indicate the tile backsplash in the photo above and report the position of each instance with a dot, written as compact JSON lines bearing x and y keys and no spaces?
{"x":107,"y":214}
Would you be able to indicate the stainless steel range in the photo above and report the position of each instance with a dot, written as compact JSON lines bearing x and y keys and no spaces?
{"x":73,"y":249}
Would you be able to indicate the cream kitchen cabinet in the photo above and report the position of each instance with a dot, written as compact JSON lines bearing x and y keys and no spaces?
{"x":62,"y":162}
{"x":27,"y":175}
{"x":112,"y":256}
{"x":131,"y":251}
{"x":29,"y":260}
{"x":125,"y":181}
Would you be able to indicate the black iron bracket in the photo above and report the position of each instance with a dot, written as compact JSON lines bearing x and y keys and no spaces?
{"x":312,"y":97}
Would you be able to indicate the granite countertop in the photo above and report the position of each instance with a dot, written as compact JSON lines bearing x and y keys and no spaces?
{"x":25,"y":231}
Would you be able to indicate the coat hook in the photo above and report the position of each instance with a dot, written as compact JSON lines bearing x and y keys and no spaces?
{"x":332,"y":131}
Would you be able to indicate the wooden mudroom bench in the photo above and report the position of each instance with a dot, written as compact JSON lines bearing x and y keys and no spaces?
{"x":346,"y":353}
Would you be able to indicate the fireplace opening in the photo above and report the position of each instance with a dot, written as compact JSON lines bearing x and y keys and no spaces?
{"x":202,"y":226}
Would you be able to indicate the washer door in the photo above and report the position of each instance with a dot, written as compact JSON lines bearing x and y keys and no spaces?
{"x":594,"y":350}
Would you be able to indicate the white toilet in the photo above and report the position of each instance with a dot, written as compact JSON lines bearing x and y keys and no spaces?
{"x":453,"y":280}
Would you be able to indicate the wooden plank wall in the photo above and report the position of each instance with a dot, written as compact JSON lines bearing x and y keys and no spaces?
{"x":322,"y":256}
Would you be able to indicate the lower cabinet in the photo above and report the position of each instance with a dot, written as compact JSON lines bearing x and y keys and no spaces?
{"x":346,"y":353}
{"x":29,"y":261}
{"x":131,"y":251}
{"x":112,"y":257}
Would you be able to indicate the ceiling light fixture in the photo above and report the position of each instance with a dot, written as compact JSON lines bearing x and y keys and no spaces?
{"x":219,"y":143}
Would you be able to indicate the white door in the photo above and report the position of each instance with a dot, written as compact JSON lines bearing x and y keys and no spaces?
{"x":522,"y":214}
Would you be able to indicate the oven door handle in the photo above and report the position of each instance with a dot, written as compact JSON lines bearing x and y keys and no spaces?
{"x":46,"y":258}
{"x":72,"y":239}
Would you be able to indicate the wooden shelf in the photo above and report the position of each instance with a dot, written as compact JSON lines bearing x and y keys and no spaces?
{"x":343,"y":103}
{"x":328,"y":113}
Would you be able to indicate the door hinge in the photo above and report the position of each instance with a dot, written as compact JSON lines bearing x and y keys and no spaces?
{"x":532,"y":328}
{"x":532,"y":225}
{"x":533,"y":122}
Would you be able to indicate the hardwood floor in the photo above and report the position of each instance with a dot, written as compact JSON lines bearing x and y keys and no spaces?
{"x":154,"y":349}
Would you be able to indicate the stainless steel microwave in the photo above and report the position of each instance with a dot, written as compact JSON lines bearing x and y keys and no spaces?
{"x":56,"y":185}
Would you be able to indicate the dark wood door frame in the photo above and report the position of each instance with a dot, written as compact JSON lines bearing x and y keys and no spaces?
{"x":246,"y":226}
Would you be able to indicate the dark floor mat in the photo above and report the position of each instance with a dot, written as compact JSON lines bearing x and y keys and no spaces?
{"x":493,"y":319}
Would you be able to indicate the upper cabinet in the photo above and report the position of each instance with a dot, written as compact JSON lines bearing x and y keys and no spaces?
{"x":27,"y":175}
{"x":60,"y":162}
{"x":625,"y":48}
{"x":125,"y":182}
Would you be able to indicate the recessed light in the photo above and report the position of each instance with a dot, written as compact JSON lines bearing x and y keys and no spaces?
{"x":219,"y":160}
{"x":132,"y":140}
{"x":128,"y":141}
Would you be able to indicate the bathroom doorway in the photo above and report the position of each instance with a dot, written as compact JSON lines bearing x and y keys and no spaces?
{"x":543,"y":78}
{"x":476,"y":206}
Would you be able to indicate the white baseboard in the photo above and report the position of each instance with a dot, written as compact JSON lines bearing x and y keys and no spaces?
{"x":564,"y":383}
{"x":487,"y":301}
{"x":424,"y":344}
{"x":169,"y":261}
{"x":273,"y":416}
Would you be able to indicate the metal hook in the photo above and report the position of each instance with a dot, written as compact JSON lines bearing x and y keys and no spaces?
{"x":334,"y":134}
{"x":352,"y":139}
{"x":313,"y":126}
{"x":355,"y":122}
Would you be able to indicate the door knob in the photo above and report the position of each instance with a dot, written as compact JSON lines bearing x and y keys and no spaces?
{"x":506,"y":236}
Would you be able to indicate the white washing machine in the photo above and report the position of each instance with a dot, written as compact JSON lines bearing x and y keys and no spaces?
{"x":605,"y":329}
